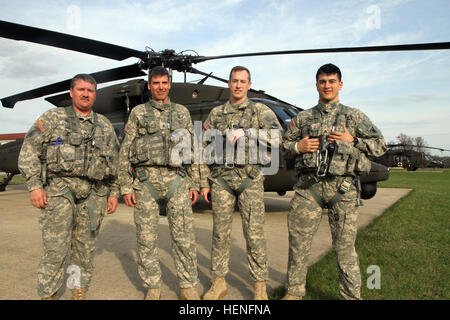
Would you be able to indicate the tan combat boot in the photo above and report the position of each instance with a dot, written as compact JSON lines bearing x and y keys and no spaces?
{"x":189,"y":293}
{"x":79,"y":294}
{"x":291,"y":297}
{"x":153,"y":294}
{"x":218,"y":289}
{"x":260,"y":290}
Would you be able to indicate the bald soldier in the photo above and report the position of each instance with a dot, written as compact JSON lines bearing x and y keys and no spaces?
{"x":69,"y":160}
{"x":331,"y":143}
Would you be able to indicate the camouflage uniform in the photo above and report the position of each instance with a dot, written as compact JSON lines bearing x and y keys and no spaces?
{"x":347,"y":162}
{"x":76,"y":167}
{"x":251,"y":201}
{"x":148,"y":147}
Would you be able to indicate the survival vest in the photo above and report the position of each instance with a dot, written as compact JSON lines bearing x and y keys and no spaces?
{"x":345,"y":159}
{"x":248,"y":154}
{"x":70,"y":154}
{"x":156,"y":140}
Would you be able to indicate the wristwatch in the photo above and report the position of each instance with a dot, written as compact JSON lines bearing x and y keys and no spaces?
{"x":355,"y":141}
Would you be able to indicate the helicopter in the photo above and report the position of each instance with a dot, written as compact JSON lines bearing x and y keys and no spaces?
{"x":404,"y":156}
{"x":116,"y":101}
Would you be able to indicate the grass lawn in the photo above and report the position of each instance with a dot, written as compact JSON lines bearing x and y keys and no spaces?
{"x":409,"y":244}
{"x":17,"y":179}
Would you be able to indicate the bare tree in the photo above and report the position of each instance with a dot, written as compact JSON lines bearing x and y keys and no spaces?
{"x":406,"y":141}
{"x":420,"y":144}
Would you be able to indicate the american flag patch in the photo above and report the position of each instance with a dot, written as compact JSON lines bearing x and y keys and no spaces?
{"x":206,"y":125}
{"x":291,"y":124}
{"x":126,"y":128}
{"x":41,"y":125}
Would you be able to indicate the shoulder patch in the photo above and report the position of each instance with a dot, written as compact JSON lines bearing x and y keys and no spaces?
{"x":206,"y":125}
{"x":126,"y":128}
{"x":41,"y":125}
{"x":291,"y":124}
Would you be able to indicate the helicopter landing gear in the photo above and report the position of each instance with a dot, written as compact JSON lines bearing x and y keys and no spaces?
{"x":5,"y":181}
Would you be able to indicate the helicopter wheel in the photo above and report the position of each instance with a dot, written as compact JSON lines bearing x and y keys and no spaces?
{"x":368,"y":190}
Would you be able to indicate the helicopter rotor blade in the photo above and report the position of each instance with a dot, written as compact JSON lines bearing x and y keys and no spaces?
{"x":16,"y":31}
{"x":120,"y":73}
{"x":402,"y":47}
{"x":415,"y":146}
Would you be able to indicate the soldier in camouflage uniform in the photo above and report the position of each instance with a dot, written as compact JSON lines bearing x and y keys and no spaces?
{"x":69,"y":159}
{"x":240,"y":181}
{"x":331,"y":143}
{"x":154,"y":131}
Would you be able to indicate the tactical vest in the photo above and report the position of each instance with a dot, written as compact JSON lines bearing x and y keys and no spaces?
{"x":154,"y":142}
{"x":69,"y":154}
{"x":228,"y":121}
{"x":345,"y":158}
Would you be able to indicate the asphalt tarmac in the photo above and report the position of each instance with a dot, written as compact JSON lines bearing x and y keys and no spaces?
{"x":116,"y":276}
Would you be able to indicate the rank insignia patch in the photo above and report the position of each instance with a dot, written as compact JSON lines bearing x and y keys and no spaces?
{"x":41,"y":125}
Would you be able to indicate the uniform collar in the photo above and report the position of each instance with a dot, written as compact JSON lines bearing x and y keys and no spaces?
{"x":231,"y":108}
{"x":328,"y":107}
{"x":160,"y":105}
{"x":89,"y":117}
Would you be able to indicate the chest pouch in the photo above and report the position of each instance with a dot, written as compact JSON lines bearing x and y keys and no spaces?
{"x":310,"y":159}
{"x":103,"y":160}
{"x":221,"y":124}
{"x":75,"y":138}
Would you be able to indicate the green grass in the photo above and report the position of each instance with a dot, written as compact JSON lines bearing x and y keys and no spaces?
{"x":409,"y":243}
{"x":17,"y":179}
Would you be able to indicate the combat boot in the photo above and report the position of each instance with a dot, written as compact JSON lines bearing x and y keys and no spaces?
{"x":260,"y":291}
{"x":153,"y":294}
{"x":79,"y":294}
{"x":52,"y":297}
{"x":291,"y":297}
{"x":189,"y":293}
{"x":218,"y":289}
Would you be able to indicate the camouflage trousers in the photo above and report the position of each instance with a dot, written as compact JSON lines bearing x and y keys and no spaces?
{"x":303,"y":221}
{"x":251,"y":208}
{"x":181,"y":225}
{"x":68,"y":240}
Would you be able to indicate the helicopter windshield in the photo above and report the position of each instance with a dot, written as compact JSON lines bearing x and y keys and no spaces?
{"x":283,"y":113}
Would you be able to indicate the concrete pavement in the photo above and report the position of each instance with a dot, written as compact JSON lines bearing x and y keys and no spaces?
{"x":116,"y":276}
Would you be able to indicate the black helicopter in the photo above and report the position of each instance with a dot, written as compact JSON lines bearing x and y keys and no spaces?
{"x":116,"y":101}
{"x":409,"y":156}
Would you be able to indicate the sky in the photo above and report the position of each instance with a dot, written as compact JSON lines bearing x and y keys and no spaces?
{"x":402,"y":92}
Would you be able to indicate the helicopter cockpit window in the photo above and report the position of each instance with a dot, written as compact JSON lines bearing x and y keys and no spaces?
{"x":294,"y":111}
{"x":282,"y":113}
